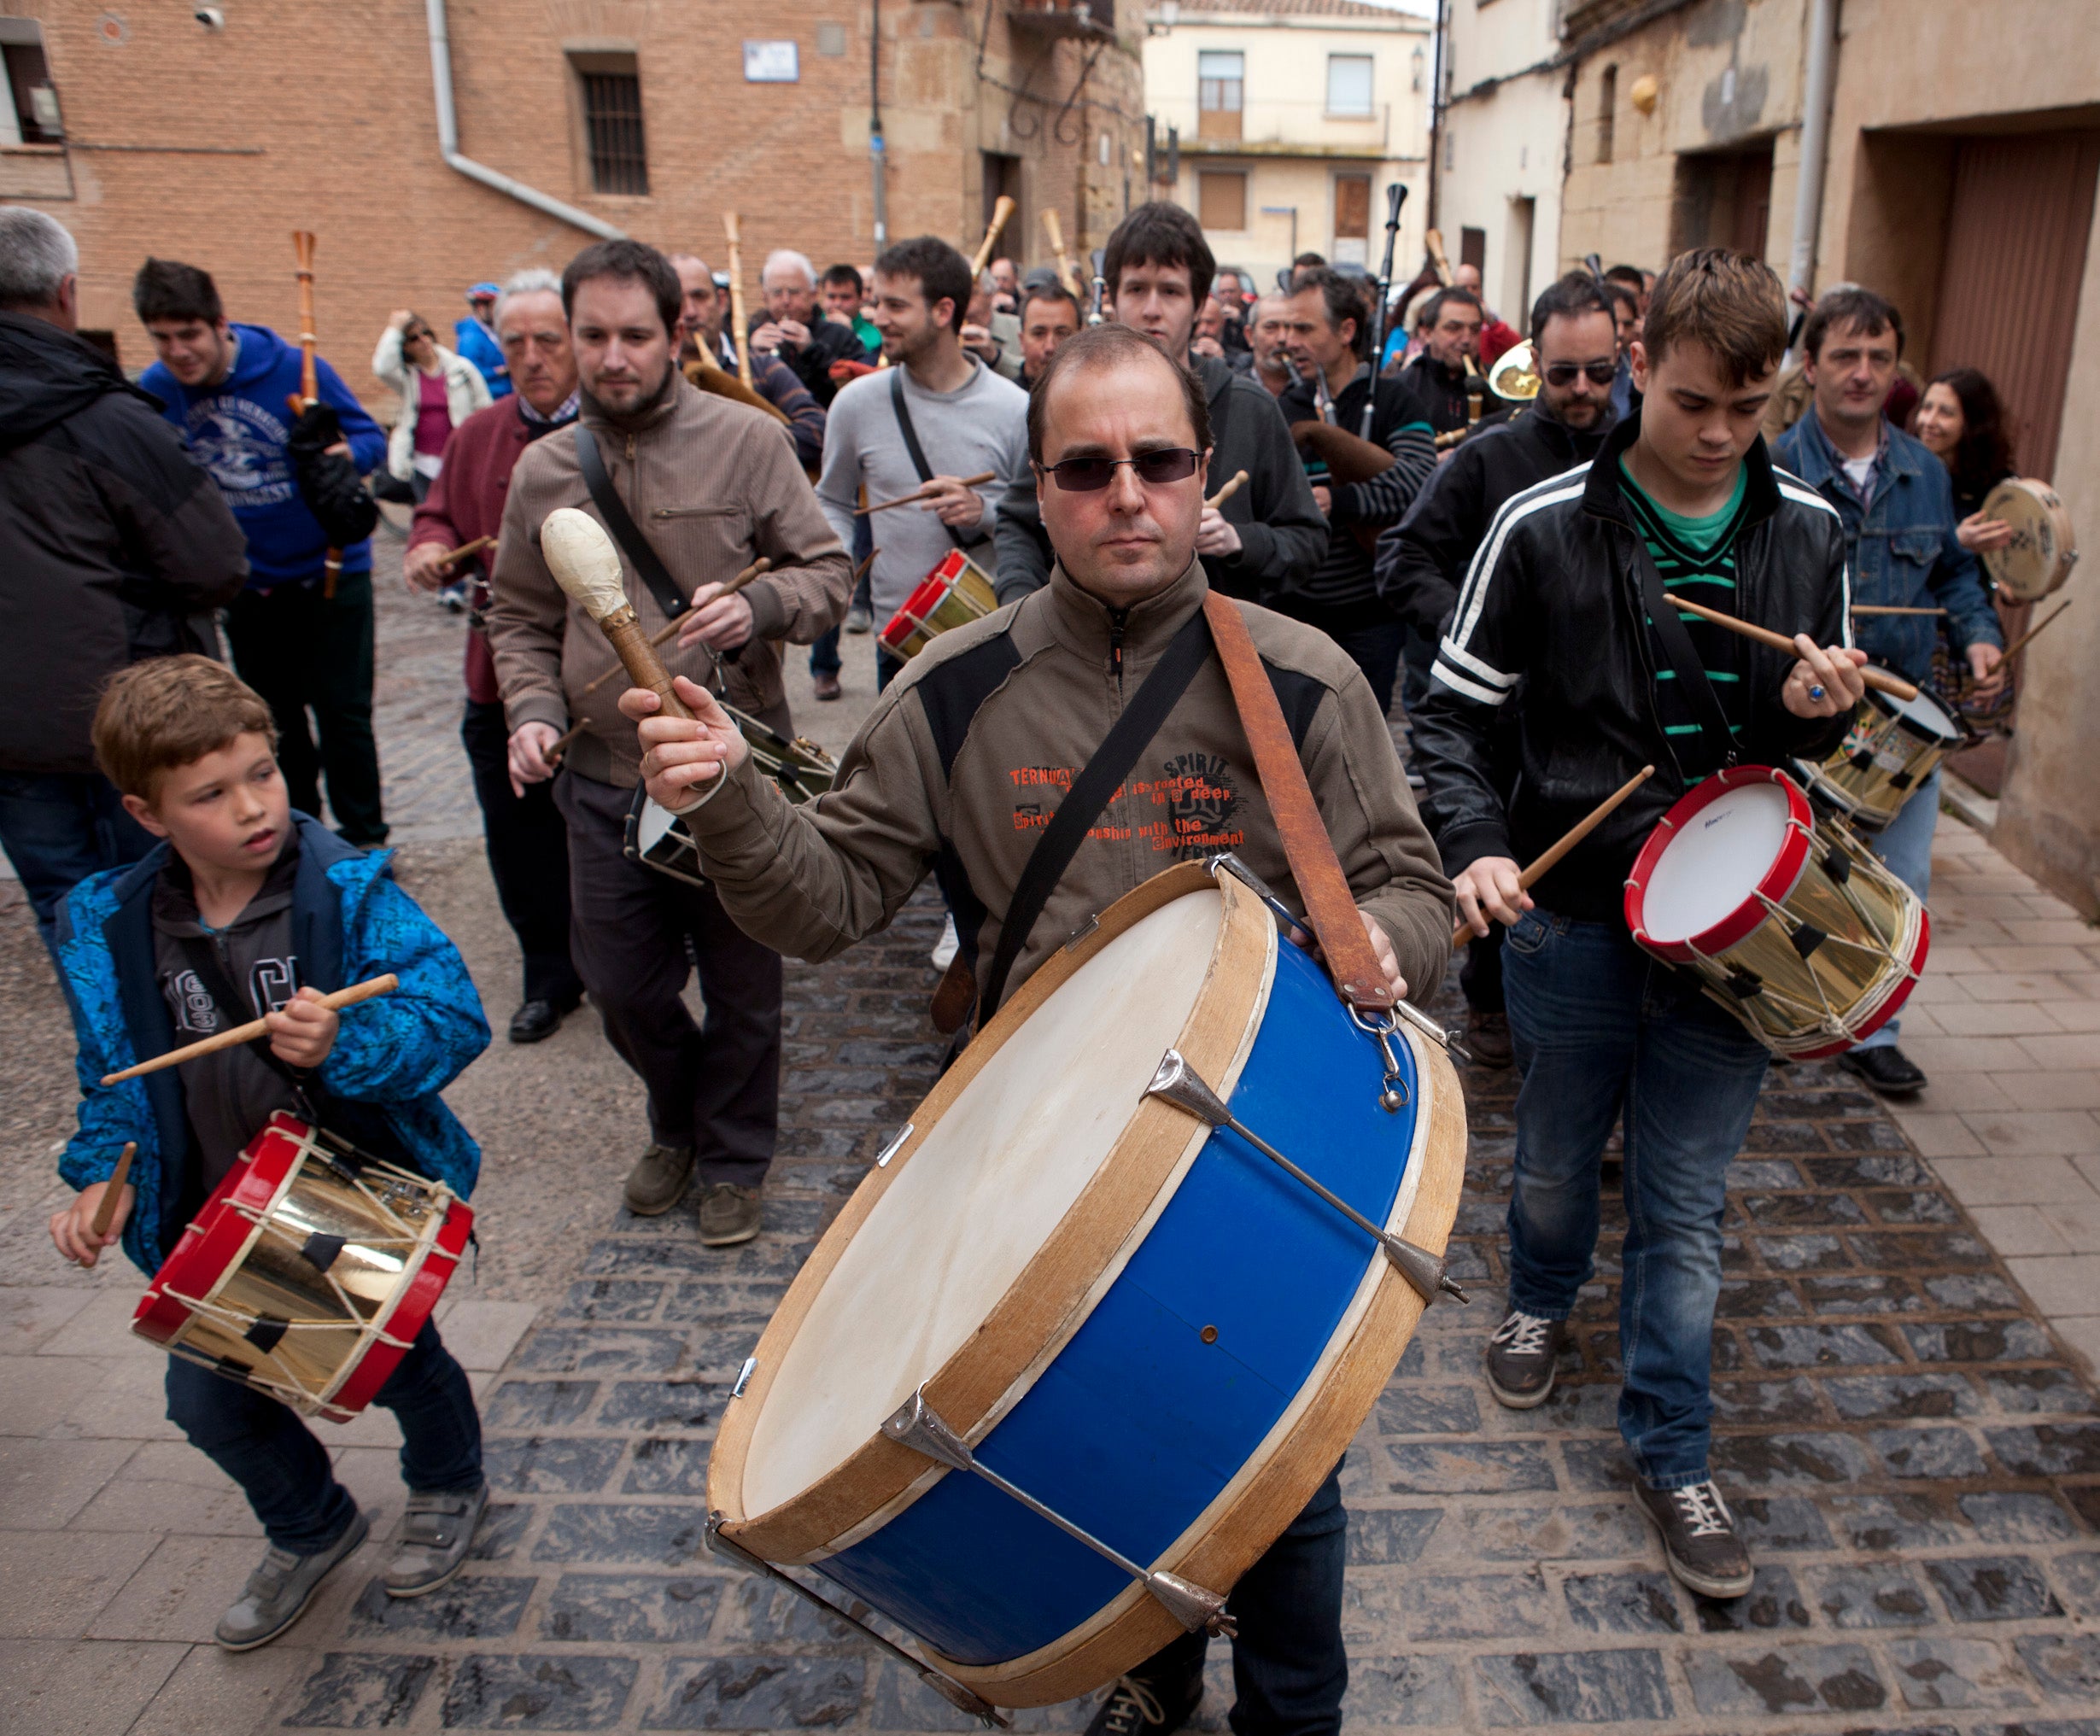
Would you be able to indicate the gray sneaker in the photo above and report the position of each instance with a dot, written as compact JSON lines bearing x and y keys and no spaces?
{"x":437,"y":1532}
{"x":277,"y":1592}
{"x":1521,"y":1356}
{"x":859,"y":618}
{"x":1700,"y":1541}
{"x":659,"y":1182}
{"x":729,"y":1214}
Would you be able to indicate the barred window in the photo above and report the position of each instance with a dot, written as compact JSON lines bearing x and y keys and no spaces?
{"x":612,"y":122}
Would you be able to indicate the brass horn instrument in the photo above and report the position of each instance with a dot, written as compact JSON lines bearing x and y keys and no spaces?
{"x":1514,"y":378}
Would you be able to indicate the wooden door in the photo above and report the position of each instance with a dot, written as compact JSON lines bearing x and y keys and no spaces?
{"x":1351,"y":220}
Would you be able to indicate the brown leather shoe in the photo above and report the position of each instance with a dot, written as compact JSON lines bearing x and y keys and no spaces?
{"x":729,"y":1214}
{"x":659,"y":1182}
{"x":827,"y":686}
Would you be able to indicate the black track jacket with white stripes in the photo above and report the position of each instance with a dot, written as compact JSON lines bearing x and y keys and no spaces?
{"x":1551,"y":621}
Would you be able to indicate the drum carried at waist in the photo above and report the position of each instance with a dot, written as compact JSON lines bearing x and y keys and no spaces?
{"x":1893,"y":746}
{"x":1792,"y":922}
{"x":309,"y":1270}
{"x":657,"y":838}
{"x":954,"y":593}
{"x":2044,"y":549}
{"x":1082,"y":1346}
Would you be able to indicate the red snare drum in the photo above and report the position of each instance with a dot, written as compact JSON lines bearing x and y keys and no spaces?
{"x":308,"y":1273}
{"x":954,"y":593}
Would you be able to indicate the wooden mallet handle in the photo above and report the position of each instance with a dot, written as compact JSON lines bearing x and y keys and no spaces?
{"x":107,"y":1208}
{"x":668,"y":630}
{"x":1567,"y":841}
{"x":451,"y":556}
{"x":982,"y":478}
{"x":1879,"y":680}
{"x":1232,"y":488}
{"x":249,"y":1033}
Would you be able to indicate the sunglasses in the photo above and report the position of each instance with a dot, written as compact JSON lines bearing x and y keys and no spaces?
{"x":1563,"y":373}
{"x":1087,"y":475}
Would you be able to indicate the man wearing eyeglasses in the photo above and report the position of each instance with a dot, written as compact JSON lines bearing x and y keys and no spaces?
{"x":1422,"y":561}
{"x":965,"y":758}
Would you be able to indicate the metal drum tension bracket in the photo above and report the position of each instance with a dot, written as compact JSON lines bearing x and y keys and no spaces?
{"x":917,"y":1425}
{"x":1180,"y":1084}
{"x":961,"y":1699}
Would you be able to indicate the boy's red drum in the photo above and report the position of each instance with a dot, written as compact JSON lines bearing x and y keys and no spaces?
{"x":308,"y":1272}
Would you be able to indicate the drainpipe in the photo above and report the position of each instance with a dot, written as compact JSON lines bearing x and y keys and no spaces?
{"x":449,"y":140}
{"x":1808,"y":197}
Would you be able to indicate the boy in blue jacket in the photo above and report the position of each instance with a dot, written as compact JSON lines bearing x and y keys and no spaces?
{"x":302,"y":637}
{"x":274,"y":909}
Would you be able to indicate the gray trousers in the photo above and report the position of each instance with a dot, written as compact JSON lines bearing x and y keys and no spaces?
{"x":636,"y":935}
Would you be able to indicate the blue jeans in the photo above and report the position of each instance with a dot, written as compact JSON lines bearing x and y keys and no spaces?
{"x":1905,"y":846}
{"x":59,"y":828}
{"x":284,"y":1471}
{"x":1375,"y":650}
{"x":824,"y":652}
{"x":1290,"y":1668}
{"x":1602,"y":1030}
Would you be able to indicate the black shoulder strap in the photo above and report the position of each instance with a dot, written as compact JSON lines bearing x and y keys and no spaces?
{"x":917,"y":453}
{"x":1677,"y":647}
{"x":670,"y":597}
{"x":1186,"y":653}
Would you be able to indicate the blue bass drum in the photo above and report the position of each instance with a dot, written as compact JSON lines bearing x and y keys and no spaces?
{"x":1101,"y":1321}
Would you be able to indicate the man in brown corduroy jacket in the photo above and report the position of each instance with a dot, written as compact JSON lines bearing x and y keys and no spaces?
{"x":712,"y":485}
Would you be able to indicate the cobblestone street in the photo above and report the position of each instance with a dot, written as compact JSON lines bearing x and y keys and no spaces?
{"x":1908,"y":1424}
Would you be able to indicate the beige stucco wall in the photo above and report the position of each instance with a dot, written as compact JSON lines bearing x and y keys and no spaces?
{"x":1913,"y":62}
{"x":1292,"y":147}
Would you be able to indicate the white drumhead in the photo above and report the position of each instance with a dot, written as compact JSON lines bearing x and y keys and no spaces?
{"x":655,"y":822}
{"x":1714,"y":862}
{"x":979,"y":1197}
{"x":1925,"y":712}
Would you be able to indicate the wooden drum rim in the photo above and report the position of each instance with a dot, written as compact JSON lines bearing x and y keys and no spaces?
{"x":2044,"y":501}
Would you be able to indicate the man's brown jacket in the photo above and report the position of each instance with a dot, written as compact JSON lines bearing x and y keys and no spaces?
{"x":969,"y":753}
{"x":713,"y":485}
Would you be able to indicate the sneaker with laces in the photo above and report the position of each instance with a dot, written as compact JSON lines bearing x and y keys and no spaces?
{"x":1521,"y":1355}
{"x":437,"y":1532}
{"x":278,"y":1591}
{"x":1700,"y":1541}
{"x":1137,"y":1705}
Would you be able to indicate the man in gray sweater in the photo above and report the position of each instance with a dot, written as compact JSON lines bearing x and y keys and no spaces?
{"x":963,"y":418}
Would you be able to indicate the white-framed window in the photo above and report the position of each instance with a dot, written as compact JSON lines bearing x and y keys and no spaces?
{"x":1220,"y":92}
{"x":1349,"y":85}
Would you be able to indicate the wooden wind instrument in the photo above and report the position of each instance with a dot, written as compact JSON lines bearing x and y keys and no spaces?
{"x":982,"y":478}
{"x":741,"y":334}
{"x":1574,"y":835}
{"x":106,"y":1208}
{"x":310,"y":373}
{"x":1879,"y":680}
{"x":668,"y":631}
{"x":1000,"y":212}
{"x":1433,"y":241}
{"x":1054,"y":227}
{"x":1232,"y":488}
{"x":249,"y":1033}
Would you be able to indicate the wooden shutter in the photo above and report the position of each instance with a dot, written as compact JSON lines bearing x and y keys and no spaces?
{"x":1221,"y":199}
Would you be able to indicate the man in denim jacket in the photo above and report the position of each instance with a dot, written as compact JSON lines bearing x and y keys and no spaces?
{"x":1898,"y":509}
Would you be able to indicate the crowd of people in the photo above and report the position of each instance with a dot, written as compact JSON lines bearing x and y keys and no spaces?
{"x":1395,"y":532}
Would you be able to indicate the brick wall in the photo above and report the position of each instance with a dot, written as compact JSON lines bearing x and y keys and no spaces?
{"x":212,"y":146}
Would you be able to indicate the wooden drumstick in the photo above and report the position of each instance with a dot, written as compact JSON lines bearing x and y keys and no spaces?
{"x":2021,"y":643}
{"x":466,"y":549}
{"x":106,"y":1208}
{"x":860,"y":572}
{"x":585,"y":563}
{"x":1882,"y":682}
{"x":1000,"y":212}
{"x":1574,"y":835}
{"x":1232,"y":488}
{"x":976,"y":481}
{"x":255,"y":1028}
{"x":668,"y":631}
{"x":1891,"y":609}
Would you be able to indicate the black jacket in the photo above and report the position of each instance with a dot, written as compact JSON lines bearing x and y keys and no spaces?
{"x":1422,"y":560}
{"x":113,"y":541}
{"x":810,"y":364}
{"x":1342,"y":592}
{"x":1282,"y":533}
{"x":1551,"y":621}
{"x":1442,"y":394}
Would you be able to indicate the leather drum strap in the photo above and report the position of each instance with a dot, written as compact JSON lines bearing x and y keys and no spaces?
{"x":1331,"y":911}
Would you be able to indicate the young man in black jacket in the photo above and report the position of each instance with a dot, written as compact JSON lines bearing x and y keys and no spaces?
{"x":1270,"y":534}
{"x":1451,"y":323}
{"x":1563,"y":619}
{"x":115,"y":545}
{"x":1422,"y":560}
{"x":1340,"y":596}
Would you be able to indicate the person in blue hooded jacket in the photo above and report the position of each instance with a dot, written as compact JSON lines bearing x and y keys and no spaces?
{"x":301,"y":635}
{"x":246,"y":907}
{"x":477,"y":340}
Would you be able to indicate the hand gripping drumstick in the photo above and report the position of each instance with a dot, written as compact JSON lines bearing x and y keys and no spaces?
{"x":1232,"y":488}
{"x":255,"y":1028}
{"x":1574,"y":835}
{"x":983,"y":477}
{"x":668,"y":630}
{"x":1894,"y":686}
{"x":107,"y":1207}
